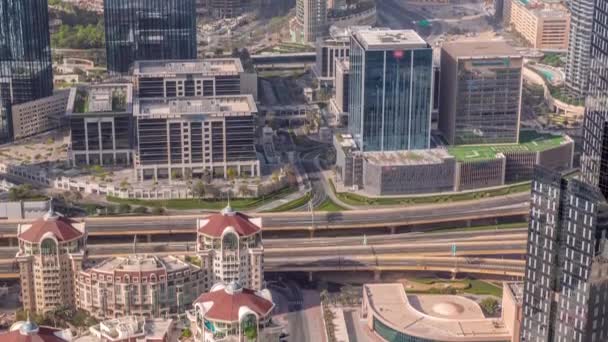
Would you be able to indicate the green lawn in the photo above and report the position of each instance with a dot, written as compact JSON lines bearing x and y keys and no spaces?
{"x":298,"y":202}
{"x":192,"y":203}
{"x":529,"y":141}
{"x":355,"y":199}
{"x":329,"y":205}
{"x":470,"y":286}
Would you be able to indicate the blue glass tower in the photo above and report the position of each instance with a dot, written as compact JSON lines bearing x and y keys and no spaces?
{"x":148,"y":30}
{"x":391,"y":82}
{"x":26,"y":71}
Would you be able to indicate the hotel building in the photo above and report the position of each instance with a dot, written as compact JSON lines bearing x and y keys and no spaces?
{"x":51,"y":253}
{"x":229,"y":245}
{"x":138,"y":285}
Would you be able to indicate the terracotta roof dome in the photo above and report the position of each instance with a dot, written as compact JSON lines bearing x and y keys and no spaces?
{"x":28,"y":331}
{"x":61,"y":227}
{"x":215,"y":224}
{"x":228,"y":302}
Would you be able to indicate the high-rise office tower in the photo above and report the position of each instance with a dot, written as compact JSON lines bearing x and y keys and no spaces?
{"x":310,"y":22}
{"x":26,"y":71}
{"x":567,"y":256}
{"x":148,"y":30}
{"x":480,"y":92}
{"x":594,"y":161}
{"x":566,"y":262}
{"x":391,"y":86}
{"x":579,"y":47}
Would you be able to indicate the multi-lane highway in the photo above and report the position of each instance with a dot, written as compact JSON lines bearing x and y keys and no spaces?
{"x":371,"y":253}
{"x":499,"y":207}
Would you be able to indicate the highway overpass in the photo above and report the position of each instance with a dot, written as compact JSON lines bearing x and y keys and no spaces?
{"x":393,"y":220}
{"x":399,"y":252}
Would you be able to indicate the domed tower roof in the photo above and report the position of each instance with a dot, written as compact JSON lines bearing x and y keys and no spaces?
{"x":228,"y":302}
{"x":215,"y":225}
{"x":62,"y":228}
{"x":29,"y":331}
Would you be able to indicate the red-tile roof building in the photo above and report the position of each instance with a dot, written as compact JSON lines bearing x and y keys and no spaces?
{"x":139,"y":285}
{"x":51,"y":252}
{"x":233,"y":313}
{"x":229,"y":245}
{"x":28,"y":331}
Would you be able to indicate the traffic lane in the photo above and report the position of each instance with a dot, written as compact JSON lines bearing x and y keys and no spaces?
{"x":518,"y":201}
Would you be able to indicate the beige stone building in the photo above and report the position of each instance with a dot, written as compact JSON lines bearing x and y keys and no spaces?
{"x":138,"y":285}
{"x":51,"y":252}
{"x":544,"y":25}
{"x":229,"y":245}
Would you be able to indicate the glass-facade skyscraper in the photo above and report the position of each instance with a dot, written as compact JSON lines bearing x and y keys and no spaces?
{"x":148,"y":30}
{"x":566,"y":262}
{"x":566,"y":286}
{"x":594,"y":161}
{"x":391,"y":83}
{"x":26,"y":71}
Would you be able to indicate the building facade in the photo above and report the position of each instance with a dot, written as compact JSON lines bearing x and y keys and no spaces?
{"x":228,"y":8}
{"x":342,"y":86}
{"x":310,"y":22}
{"x":51,"y":253}
{"x":544,"y":25}
{"x":38,"y":116}
{"x":191,"y":136}
{"x":481,"y":85}
{"x":579,"y":47}
{"x":148,"y":30}
{"x":566,"y":261}
{"x":26,"y":71}
{"x":594,"y":161}
{"x":391,"y":86}
{"x":171,"y":78}
{"x":138,"y":285}
{"x":229,"y":245}
{"x":101,"y":125}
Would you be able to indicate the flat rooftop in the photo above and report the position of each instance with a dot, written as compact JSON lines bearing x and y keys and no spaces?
{"x":129,"y":327}
{"x":480,"y":49}
{"x":109,"y":98}
{"x":142,"y":263}
{"x":529,"y":141}
{"x":433,"y":317}
{"x":172,"y":68}
{"x":218,"y":105}
{"x":387,"y":39}
{"x":411,"y":157}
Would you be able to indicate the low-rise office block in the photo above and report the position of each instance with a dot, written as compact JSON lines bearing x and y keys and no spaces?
{"x":455,"y":168}
{"x":191,"y":136}
{"x":101,"y":124}
{"x":210,"y":77}
{"x":34,"y":117}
